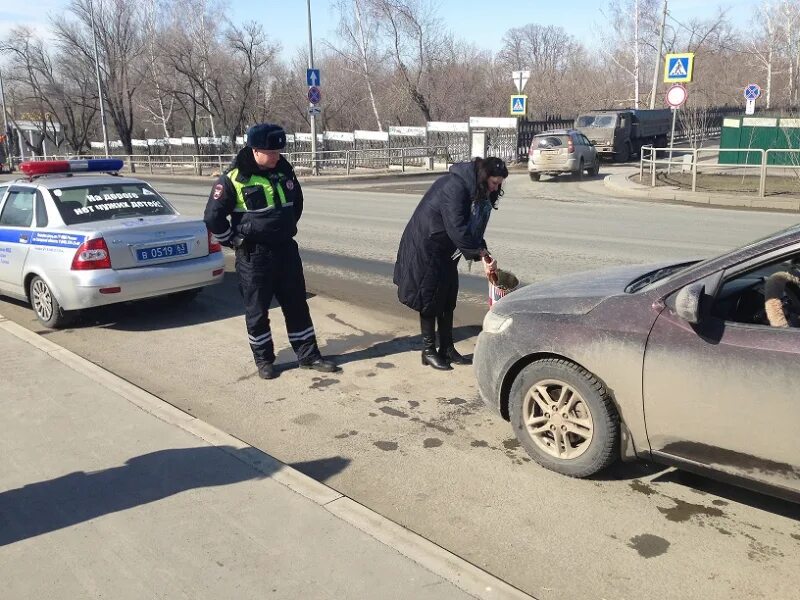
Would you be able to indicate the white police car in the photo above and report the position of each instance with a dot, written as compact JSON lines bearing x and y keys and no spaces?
{"x":71,"y":242}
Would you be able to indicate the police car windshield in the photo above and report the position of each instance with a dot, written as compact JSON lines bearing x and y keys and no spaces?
{"x":86,"y":204}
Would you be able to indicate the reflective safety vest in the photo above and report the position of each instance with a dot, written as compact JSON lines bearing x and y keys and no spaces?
{"x":265,"y":183}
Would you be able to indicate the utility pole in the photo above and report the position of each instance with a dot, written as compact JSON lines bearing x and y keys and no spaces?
{"x":314,"y":166}
{"x":657,"y":68}
{"x":6,"y":131}
{"x":97,"y":74}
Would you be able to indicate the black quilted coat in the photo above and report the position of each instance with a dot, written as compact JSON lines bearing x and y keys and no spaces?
{"x":438,"y":227}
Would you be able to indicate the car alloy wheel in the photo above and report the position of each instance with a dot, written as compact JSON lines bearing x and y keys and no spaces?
{"x":564,"y":417}
{"x":46,"y":306}
{"x":557,"y":419}
{"x":42,"y":300}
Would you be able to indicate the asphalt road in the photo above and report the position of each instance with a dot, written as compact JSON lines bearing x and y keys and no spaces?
{"x":417,"y":445}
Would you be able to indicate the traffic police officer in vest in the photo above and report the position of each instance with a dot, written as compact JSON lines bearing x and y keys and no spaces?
{"x":254,"y":207}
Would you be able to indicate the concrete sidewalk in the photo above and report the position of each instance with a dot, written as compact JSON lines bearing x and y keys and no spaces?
{"x":108,"y":492}
{"x":620,"y":183}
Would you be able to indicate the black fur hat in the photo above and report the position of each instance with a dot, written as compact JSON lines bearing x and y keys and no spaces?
{"x":266,"y":136}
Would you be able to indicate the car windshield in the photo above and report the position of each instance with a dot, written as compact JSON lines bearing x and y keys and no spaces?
{"x":596,"y":121}
{"x":89,"y":203}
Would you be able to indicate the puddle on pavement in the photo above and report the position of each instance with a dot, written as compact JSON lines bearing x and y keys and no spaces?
{"x":322,"y":382}
{"x":394,"y":412}
{"x":432,"y":443}
{"x":648,"y":545}
{"x":683,"y":511}
{"x":386,"y":445}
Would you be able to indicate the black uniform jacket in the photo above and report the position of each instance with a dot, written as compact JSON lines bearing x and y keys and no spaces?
{"x":437,"y":228}
{"x":271,"y":227}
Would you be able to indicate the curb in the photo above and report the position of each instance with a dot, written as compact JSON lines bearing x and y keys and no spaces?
{"x":461,"y":573}
{"x":673,"y":194}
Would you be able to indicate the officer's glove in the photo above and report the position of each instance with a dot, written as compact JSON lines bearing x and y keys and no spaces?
{"x":236,"y":241}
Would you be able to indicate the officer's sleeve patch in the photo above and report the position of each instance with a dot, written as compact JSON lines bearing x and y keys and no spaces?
{"x":290,"y":185}
{"x":218,"y":191}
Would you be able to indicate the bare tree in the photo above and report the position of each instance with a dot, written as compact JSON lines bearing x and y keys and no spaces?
{"x":415,"y":40}
{"x":358,"y":30}
{"x":120,"y":40}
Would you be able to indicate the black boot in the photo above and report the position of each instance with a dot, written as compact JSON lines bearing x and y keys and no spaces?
{"x":447,"y":351}
{"x":429,"y":355}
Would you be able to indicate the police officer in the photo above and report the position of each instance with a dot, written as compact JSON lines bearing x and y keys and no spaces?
{"x":262,"y":197}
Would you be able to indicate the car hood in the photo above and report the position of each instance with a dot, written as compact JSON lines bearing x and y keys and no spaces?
{"x":574,"y":294}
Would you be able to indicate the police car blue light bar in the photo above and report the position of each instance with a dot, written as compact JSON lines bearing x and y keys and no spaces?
{"x":91,"y":165}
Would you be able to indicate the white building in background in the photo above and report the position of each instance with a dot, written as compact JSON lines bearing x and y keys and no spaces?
{"x":32,"y":132}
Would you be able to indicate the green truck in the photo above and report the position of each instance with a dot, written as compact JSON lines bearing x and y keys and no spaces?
{"x":619,"y":134}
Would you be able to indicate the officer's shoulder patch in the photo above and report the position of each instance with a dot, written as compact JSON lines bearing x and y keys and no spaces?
{"x":218,"y":191}
{"x":290,"y":185}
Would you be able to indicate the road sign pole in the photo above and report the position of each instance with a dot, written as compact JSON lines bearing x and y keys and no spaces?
{"x":314,"y":165}
{"x":672,"y":139}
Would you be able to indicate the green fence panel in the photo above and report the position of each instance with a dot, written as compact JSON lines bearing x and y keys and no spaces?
{"x":730,"y":138}
{"x":758,"y":133}
{"x":788,"y":137}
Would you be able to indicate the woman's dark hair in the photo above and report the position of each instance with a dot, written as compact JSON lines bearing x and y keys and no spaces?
{"x":489,"y":167}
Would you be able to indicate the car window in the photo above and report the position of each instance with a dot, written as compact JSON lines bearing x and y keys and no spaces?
{"x":586,"y":140}
{"x":86,"y":204}
{"x":18,"y":209}
{"x":549,"y":141}
{"x":767,"y":295}
{"x":596,"y":121}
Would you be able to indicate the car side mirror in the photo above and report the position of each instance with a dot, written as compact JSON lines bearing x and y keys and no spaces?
{"x":688,"y":300}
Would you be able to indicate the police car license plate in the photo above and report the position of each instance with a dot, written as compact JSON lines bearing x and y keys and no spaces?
{"x":166,"y":251}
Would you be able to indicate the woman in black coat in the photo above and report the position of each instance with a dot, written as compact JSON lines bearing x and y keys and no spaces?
{"x":448,"y":222}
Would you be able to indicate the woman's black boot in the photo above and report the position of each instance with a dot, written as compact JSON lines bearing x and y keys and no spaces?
{"x":447,"y":351}
{"x":429,"y":355}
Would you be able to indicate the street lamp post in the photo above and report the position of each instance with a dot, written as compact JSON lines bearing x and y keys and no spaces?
{"x":314,"y":166}
{"x":99,"y":87}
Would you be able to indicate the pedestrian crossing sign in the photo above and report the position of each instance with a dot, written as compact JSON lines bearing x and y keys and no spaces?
{"x":518,"y":106}
{"x":678,"y":68}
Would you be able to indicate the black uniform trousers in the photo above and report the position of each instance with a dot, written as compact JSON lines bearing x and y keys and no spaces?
{"x":275,"y":271}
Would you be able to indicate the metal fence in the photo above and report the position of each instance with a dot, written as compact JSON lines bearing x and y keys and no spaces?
{"x":332,"y":161}
{"x":699,"y":162}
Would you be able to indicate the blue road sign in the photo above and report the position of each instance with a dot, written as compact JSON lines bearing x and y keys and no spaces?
{"x":752,"y":91}
{"x":312,"y":77}
{"x":314,"y":94}
{"x":678,"y":68}
{"x":518,"y":106}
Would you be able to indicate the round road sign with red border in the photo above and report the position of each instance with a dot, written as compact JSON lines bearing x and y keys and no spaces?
{"x":677,"y":95}
{"x":314,"y":94}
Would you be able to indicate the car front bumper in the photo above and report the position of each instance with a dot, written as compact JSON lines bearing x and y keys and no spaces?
{"x":81,"y":289}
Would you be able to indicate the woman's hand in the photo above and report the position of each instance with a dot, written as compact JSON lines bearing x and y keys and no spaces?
{"x":489,"y":267}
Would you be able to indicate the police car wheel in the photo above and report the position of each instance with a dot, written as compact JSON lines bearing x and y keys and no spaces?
{"x":45,"y":305}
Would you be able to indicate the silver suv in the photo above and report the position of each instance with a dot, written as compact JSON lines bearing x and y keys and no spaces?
{"x":562,"y":151}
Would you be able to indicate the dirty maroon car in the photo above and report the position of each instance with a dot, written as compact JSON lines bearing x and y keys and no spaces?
{"x":694,"y":365}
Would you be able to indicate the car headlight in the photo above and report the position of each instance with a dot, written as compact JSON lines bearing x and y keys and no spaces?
{"x":496,"y":323}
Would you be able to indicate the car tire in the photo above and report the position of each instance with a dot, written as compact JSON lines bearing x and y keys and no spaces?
{"x":579,"y":173}
{"x":46,"y":306}
{"x":591,"y":425}
{"x":623,"y":156}
{"x":595,"y":170}
{"x":535,"y":176}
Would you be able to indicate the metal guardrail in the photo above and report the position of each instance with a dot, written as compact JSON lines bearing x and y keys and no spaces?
{"x":346,"y":160}
{"x":650,"y":156}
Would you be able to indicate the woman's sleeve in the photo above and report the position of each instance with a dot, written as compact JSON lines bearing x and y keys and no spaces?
{"x":455,"y":214}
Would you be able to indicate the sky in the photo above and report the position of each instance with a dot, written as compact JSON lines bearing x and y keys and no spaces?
{"x":482,"y":22}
